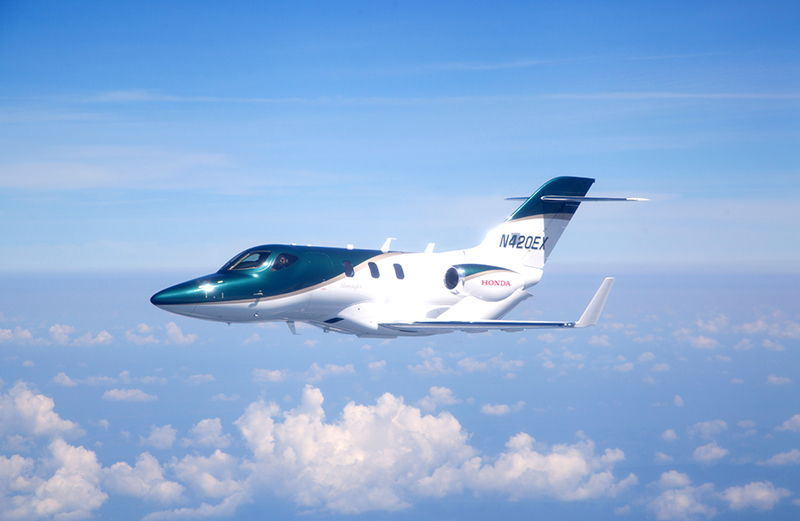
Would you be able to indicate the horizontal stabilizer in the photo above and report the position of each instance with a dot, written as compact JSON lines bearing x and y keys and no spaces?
{"x":571,"y":199}
{"x":589,"y":318}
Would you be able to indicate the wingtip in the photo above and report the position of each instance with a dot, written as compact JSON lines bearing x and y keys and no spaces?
{"x":592,"y":313}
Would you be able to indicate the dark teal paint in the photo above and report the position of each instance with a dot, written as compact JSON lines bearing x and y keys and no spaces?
{"x":572,"y":186}
{"x":314,"y":266}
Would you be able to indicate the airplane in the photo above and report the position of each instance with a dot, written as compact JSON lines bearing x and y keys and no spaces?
{"x":386,"y":294}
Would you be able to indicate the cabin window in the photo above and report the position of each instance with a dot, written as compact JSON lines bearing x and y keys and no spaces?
{"x":398,"y":271}
{"x":373,"y":269}
{"x":248,"y":260}
{"x":348,"y":268}
{"x":283,"y":261}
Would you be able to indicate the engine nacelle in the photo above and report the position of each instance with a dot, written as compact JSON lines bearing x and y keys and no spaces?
{"x":489,"y":283}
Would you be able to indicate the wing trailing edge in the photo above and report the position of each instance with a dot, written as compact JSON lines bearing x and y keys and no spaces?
{"x":589,"y":318}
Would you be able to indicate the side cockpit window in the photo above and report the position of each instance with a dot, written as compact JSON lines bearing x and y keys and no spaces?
{"x":348,"y":268}
{"x":249,"y":260}
{"x":373,"y":270}
{"x":283,"y":261}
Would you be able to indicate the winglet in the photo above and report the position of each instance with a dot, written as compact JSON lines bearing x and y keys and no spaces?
{"x":595,"y":307}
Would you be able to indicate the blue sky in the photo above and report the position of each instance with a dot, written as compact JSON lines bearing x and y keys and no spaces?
{"x":141,"y":145}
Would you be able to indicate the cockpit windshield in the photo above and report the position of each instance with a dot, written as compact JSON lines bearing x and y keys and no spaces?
{"x":248,"y":260}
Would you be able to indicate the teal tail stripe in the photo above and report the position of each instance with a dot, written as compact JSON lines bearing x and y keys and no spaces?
{"x":568,"y":186}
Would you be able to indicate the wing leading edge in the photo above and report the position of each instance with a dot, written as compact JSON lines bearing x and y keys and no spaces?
{"x":589,"y":318}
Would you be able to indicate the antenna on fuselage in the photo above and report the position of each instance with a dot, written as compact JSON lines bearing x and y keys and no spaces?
{"x":386,"y":244}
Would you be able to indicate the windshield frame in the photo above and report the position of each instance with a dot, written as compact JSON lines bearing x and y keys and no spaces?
{"x":232,"y":264}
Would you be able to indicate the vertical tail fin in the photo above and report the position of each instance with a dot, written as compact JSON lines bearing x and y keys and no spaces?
{"x":532,"y":231}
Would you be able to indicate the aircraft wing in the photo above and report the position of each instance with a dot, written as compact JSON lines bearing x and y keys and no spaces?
{"x":589,"y":318}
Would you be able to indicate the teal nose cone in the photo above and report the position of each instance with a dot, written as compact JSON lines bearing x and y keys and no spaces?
{"x":182,"y":294}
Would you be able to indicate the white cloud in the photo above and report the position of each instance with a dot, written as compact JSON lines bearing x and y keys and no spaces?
{"x":23,"y":411}
{"x":660,"y":368}
{"x":176,"y":336}
{"x":648,"y":380}
{"x":498,"y":362}
{"x":315,"y":373}
{"x":18,"y":336}
{"x":792,"y":424}
{"x":145,"y":480}
{"x":224,"y":397}
{"x":496,"y":410}
{"x":72,"y":492}
{"x":143,"y":329}
{"x":16,"y":443}
{"x":62,"y":379}
{"x":502,"y":409}
{"x":701,"y":342}
{"x":548,"y":364}
{"x":102,"y":338}
{"x":208,"y":433}
{"x":601,"y":340}
{"x":778,"y":380}
{"x":624,"y":367}
{"x":660,"y":457}
{"x":142,"y":336}
{"x":646,"y":356}
{"x":784,"y":458}
{"x":196,"y":379}
{"x":743,"y":345}
{"x":709,"y":428}
{"x":746,"y":424}
{"x":377,"y":457}
{"x":713,"y":325}
{"x":28,"y":363}
{"x":737,"y":381}
{"x":623,"y":510}
{"x":669,"y":435}
{"x":99,"y":380}
{"x":547,"y":337}
{"x":433,"y":365}
{"x":679,"y":500}
{"x":772,"y":346}
{"x":252,"y":339}
{"x":761,"y":495}
{"x":674,"y":479}
{"x":128,"y":395}
{"x":160,"y":437}
{"x":709,"y":453}
{"x":266,"y":375}
{"x":723,"y":358}
{"x":213,"y":476}
{"x":678,"y":401}
{"x":438,"y":396}
{"x":125,"y":377}
{"x":788,"y":329}
{"x":470,"y":364}
{"x":377,"y":366}
{"x":60,"y":333}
